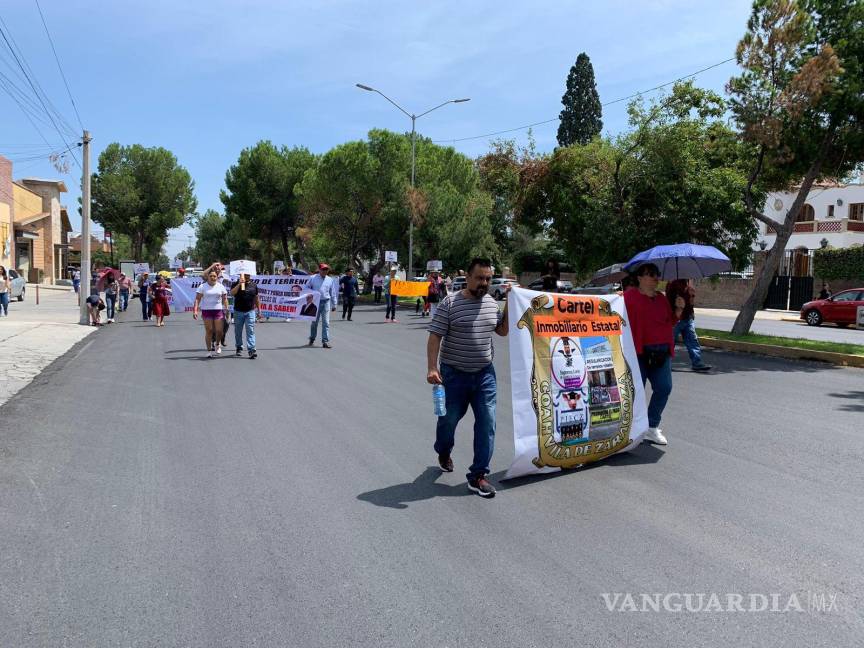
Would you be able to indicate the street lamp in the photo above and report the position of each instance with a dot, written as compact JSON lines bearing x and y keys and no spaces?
{"x":413,"y":119}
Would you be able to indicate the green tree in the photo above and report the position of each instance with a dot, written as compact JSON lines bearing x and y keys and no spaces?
{"x":220,"y":238}
{"x":581,"y":117}
{"x":260,"y":193}
{"x":141,"y":193}
{"x":799,"y":102}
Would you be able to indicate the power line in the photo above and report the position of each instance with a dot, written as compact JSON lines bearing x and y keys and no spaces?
{"x":32,"y":84}
{"x":608,"y":103}
{"x":59,"y":67}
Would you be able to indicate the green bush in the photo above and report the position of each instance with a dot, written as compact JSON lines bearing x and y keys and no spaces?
{"x":847,"y":263}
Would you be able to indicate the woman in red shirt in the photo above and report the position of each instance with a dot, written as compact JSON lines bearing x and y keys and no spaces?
{"x":652,"y":322}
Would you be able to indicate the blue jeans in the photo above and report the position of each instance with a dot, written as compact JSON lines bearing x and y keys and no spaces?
{"x":110,"y":302}
{"x":4,"y":302}
{"x":661,"y":387}
{"x":324,"y":318}
{"x":146,"y":308}
{"x":124,"y":300}
{"x":480,"y":390}
{"x":247,"y":319}
{"x":687,"y":330}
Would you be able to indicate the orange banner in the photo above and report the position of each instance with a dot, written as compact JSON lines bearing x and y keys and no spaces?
{"x":409,"y":288}
{"x":576,"y":317}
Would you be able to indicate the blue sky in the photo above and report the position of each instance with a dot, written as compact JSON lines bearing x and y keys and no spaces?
{"x":208,"y":78}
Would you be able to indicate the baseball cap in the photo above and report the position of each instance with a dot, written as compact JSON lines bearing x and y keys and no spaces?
{"x":323,"y":266}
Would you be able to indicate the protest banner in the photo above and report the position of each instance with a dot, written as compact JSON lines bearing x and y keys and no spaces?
{"x":577,"y":390}
{"x":175,"y":263}
{"x":241,"y":266}
{"x":434,"y":266}
{"x":280,"y":296}
{"x":141,"y":268}
{"x":409,"y":288}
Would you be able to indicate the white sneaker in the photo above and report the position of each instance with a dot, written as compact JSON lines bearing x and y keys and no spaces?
{"x":218,"y":349}
{"x":655,"y":435}
{"x":209,"y":354}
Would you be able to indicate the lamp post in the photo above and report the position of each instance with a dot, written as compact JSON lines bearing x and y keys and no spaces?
{"x":413,"y":119}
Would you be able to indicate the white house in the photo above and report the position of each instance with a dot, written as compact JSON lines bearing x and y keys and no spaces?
{"x":833,"y":215}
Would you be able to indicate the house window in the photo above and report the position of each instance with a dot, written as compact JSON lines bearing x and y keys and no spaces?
{"x":830,"y":211}
{"x":806,"y":215}
{"x":856,"y":211}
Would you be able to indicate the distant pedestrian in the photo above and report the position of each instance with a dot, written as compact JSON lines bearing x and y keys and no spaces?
{"x":246,"y":307}
{"x":76,"y":281}
{"x":144,"y":284}
{"x":378,"y":286}
{"x":448,"y":282}
{"x":437,"y":292}
{"x":350,"y":290}
{"x":5,"y":291}
{"x":112,"y":292}
{"x":159,"y":293}
{"x":461,"y":334}
{"x":652,"y":324}
{"x":95,"y":306}
{"x":328,"y":289}
{"x":125,"y":288}
{"x":686,"y":324}
{"x":389,"y":297}
{"x":181,"y":273}
{"x":212,"y":298}
{"x":825,"y":293}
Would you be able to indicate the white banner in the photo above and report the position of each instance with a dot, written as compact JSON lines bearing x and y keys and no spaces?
{"x":577,"y":390}
{"x":242,"y":266}
{"x":390,"y":256}
{"x":175,"y":263}
{"x":434,"y":265}
{"x":141,"y":268}
{"x":280,"y":296}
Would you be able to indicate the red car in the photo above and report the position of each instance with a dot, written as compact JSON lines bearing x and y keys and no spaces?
{"x":840,"y":309}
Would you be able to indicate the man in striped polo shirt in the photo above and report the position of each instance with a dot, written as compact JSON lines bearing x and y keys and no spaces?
{"x":460,"y":334}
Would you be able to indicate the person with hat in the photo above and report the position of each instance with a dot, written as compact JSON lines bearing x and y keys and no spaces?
{"x":652,"y":324}
{"x":329,"y":289}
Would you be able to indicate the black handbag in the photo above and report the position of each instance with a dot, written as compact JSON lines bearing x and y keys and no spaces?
{"x":654,"y":355}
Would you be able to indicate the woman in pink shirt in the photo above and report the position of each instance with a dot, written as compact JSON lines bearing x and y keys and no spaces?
{"x":652,"y":322}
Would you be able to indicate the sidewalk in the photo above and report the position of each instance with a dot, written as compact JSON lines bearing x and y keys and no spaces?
{"x":772,"y":315}
{"x":32,"y":337}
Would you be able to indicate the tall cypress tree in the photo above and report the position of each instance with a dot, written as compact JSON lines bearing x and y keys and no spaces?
{"x":581,"y":117}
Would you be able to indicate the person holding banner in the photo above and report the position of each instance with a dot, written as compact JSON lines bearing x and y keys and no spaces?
{"x":389,"y":299}
{"x":437,"y":291}
{"x":652,"y":324}
{"x":246,"y":306}
{"x":212,"y":299}
{"x":329,"y":290}
{"x":461,"y":334}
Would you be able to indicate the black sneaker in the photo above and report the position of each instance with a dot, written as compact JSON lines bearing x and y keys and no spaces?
{"x":445,"y":462}
{"x":311,"y":342}
{"x":481,"y":486}
{"x":253,"y":354}
{"x":238,"y":352}
{"x":703,"y":367}
{"x":326,"y":345}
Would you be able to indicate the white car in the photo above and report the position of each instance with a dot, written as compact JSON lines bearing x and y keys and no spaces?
{"x":497,"y":288}
{"x":18,"y":285}
{"x":459,"y":283}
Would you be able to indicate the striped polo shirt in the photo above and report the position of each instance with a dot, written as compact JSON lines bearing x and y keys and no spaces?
{"x":466,"y":325}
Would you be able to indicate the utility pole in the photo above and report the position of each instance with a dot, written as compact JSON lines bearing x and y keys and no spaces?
{"x":86,"y":280}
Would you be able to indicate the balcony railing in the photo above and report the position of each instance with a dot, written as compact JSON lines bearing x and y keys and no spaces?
{"x":832,"y":226}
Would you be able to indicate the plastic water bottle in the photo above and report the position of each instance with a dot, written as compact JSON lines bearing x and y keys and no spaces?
{"x":438,"y":399}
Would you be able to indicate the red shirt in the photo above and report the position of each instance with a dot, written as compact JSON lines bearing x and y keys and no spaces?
{"x":651,"y":319}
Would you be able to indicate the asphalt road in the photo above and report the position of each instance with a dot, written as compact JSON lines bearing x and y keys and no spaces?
{"x":150,"y":497}
{"x":825,"y":333}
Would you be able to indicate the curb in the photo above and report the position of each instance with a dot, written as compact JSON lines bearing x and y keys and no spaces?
{"x":50,"y":287}
{"x":790,"y":353}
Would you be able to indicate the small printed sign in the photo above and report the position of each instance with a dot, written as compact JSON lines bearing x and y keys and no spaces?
{"x":175,"y":263}
{"x":434,"y":266}
{"x":390,"y":256}
{"x":278,"y":265}
{"x":141,"y":268}
{"x":241,"y":266}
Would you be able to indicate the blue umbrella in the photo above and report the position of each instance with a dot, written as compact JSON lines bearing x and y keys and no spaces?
{"x":683,"y":261}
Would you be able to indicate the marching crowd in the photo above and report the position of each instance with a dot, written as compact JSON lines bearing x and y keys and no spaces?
{"x":459,"y":350}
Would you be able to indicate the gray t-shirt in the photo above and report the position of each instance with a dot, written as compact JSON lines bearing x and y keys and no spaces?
{"x":466,"y":325}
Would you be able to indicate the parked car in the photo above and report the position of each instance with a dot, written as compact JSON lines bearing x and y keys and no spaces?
{"x":563,"y":286}
{"x":496,"y":288}
{"x":19,"y":284}
{"x":839,"y":309}
{"x":459,"y":283}
{"x":608,"y":289}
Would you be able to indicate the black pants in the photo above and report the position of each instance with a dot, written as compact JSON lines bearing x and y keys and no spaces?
{"x":347,"y":307}
{"x":377,"y":294}
{"x":146,"y":308}
{"x":391,"y":307}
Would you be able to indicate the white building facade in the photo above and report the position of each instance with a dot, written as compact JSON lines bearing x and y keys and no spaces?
{"x":832,"y":216}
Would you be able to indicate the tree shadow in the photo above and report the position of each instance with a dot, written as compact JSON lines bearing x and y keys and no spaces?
{"x":424,"y":487}
{"x":852,"y":396}
{"x":644,"y":453}
{"x":730,"y":362}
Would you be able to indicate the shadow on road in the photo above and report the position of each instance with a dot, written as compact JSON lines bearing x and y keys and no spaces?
{"x":852,"y":396}
{"x":423,"y":488}
{"x":644,"y":453}
{"x":729,"y":362}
